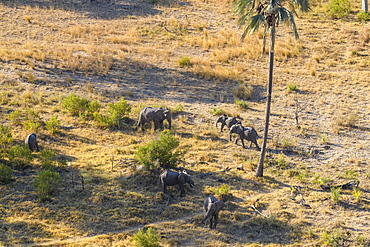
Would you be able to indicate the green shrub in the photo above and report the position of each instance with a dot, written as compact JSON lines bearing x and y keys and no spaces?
{"x":80,"y":107}
{"x":20,"y":155}
{"x":178,"y":108}
{"x":114,"y":116}
{"x":47,"y":158}
{"x":5,"y":174}
{"x":52,"y":124}
{"x":335,"y":238}
{"x":160,"y":152}
{"x":32,"y":125}
{"x":363,"y":16}
{"x":148,"y":239}
{"x":6,"y":138}
{"x":339,"y":8}
{"x":241,"y":103}
{"x":222,"y":191}
{"x":335,"y":194}
{"x":15,"y":117}
{"x":184,"y":61}
{"x":46,"y":183}
{"x":292,"y":87}
{"x":217,"y":111}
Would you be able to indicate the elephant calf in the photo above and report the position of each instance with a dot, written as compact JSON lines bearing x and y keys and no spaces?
{"x":247,"y":133}
{"x":225,"y":120}
{"x":212,"y":207}
{"x":31,"y":142}
{"x":170,"y":178}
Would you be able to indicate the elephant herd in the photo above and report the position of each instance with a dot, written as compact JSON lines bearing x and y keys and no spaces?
{"x":158,"y":115}
{"x":212,"y":205}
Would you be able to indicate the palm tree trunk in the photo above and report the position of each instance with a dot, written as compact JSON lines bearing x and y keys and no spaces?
{"x":365,"y":6}
{"x":259,"y":172}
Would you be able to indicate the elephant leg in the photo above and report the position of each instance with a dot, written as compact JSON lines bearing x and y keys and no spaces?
{"x":155,"y":124}
{"x":182,"y":190}
{"x":241,"y":138}
{"x":215,"y":221}
{"x":161,"y":125}
{"x":258,"y":148}
{"x":211,"y":222}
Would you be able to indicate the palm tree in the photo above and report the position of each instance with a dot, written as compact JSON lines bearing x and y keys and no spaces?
{"x":365,"y":6}
{"x":270,"y":14}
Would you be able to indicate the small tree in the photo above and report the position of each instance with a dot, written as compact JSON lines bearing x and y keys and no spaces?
{"x":52,"y":124}
{"x":146,"y":239}
{"x":162,"y":152}
{"x":47,"y":156}
{"x":46,"y":183}
{"x":114,"y":116}
{"x":79,"y":106}
{"x":20,"y":155}
{"x":5,"y":174}
{"x":6,"y":139}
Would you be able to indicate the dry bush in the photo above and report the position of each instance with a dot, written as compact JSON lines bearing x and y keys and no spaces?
{"x":243,"y":91}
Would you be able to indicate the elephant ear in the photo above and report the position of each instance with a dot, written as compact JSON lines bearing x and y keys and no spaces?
{"x":182,"y":177}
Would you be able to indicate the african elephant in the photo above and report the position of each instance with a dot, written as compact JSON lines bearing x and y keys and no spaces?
{"x":157,"y":115}
{"x":212,"y":207}
{"x":170,"y":178}
{"x":225,"y":120}
{"x":31,"y":142}
{"x":247,"y":133}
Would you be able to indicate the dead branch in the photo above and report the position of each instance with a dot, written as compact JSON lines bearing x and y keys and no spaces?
{"x":255,"y":209}
{"x":210,"y":173}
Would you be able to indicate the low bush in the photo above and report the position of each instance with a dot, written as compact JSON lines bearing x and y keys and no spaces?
{"x":161,"y":152}
{"x":52,"y":125}
{"x":292,"y":87}
{"x":46,"y":183}
{"x":222,"y":191}
{"x":241,"y":103}
{"x":363,"y":16}
{"x":243,"y":92}
{"x":6,"y":138}
{"x":15,"y":117}
{"x":114,"y":115}
{"x":339,"y":8}
{"x":146,"y":239}
{"x":78,"y":106}
{"x":5,"y":174}
{"x":20,"y":155}
{"x":47,"y":158}
{"x":217,"y":111}
{"x":184,"y":61}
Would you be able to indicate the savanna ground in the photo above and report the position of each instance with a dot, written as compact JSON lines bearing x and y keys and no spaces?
{"x":104,"y":50}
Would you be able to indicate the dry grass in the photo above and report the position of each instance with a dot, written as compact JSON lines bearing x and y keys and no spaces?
{"x":103,"y":50}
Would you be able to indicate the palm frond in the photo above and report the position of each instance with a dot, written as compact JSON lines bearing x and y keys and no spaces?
{"x":254,"y":24}
{"x":244,"y":7}
{"x":285,"y":15}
